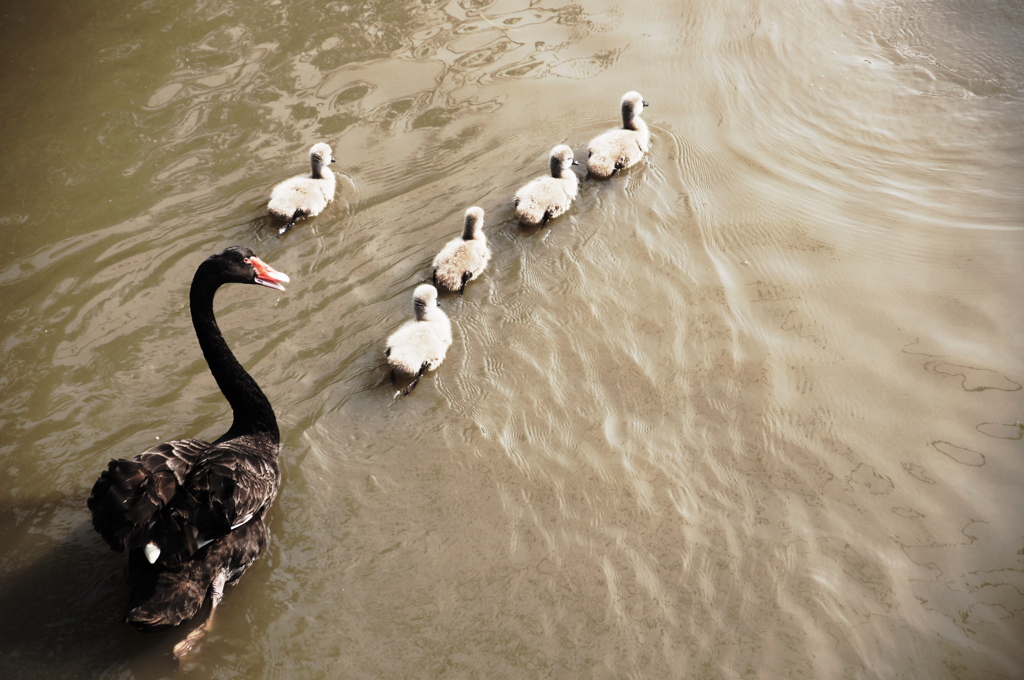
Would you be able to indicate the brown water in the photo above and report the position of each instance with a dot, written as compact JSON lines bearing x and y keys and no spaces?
{"x":751,"y":409}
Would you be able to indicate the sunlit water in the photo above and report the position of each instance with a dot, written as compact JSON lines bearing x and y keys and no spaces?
{"x":751,"y":409}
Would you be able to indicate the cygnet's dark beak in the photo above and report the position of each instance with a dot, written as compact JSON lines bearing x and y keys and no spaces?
{"x":575,"y":162}
{"x":646,"y":104}
{"x":334,"y":161}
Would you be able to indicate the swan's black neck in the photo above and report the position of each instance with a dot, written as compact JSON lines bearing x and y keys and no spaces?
{"x":253,"y":414}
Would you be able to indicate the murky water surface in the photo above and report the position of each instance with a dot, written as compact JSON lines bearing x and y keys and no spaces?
{"x":751,"y":409}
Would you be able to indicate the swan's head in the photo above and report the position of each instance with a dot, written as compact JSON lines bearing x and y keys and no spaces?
{"x":474,"y":223}
{"x":238,"y":264}
{"x":424,"y":300}
{"x":632,"y":104}
{"x":321,"y":155}
{"x":561,"y":159}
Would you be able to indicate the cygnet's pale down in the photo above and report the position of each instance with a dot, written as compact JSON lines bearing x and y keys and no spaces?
{"x":304,"y":195}
{"x":622,"y":147}
{"x":420,"y":345}
{"x":463,"y":258}
{"x":545,"y":198}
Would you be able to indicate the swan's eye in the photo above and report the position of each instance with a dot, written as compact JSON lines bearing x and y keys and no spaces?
{"x":247,"y":261}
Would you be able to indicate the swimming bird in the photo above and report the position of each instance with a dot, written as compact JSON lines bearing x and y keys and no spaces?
{"x":465,"y":257}
{"x":304,"y":195}
{"x":622,"y":147}
{"x":420,"y":345}
{"x":190,"y":512}
{"x":545,"y":198}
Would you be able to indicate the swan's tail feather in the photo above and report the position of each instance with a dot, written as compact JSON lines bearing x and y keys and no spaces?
{"x":163,"y":596}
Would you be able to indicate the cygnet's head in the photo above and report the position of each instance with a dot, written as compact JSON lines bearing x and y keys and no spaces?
{"x":320,"y":155}
{"x":632,"y":105}
{"x":424,"y":300}
{"x":561,"y":159}
{"x":474,"y":224}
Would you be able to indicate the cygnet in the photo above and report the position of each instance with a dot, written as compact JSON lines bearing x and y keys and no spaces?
{"x":620,"y":148}
{"x":304,"y":195}
{"x":463,"y":258}
{"x":419,"y":345}
{"x":546,"y":198}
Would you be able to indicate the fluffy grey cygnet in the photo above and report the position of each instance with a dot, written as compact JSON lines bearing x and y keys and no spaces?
{"x":304,"y":195}
{"x":620,"y":148}
{"x":420,"y":345}
{"x":465,"y":257}
{"x":546,"y":198}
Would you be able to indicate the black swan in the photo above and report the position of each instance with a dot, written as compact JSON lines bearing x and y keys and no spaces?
{"x":190,"y":512}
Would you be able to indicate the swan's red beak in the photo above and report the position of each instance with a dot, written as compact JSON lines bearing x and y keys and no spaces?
{"x":267,"y":275}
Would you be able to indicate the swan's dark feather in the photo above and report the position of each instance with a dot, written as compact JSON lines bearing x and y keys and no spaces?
{"x":165,"y":596}
{"x":226,"y":487}
{"x":182,"y":493}
{"x":130,"y":494}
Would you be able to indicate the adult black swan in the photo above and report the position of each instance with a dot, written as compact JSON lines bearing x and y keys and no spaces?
{"x":190,"y":512}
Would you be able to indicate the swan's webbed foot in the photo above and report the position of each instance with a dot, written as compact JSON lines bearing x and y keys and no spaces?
{"x":183,"y":648}
{"x":423,"y":369}
{"x":296,"y":216}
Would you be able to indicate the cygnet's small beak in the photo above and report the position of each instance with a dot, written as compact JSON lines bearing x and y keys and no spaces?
{"x":575,"y":162}
{"x":334,"y":161}
{"x":646,"y":104}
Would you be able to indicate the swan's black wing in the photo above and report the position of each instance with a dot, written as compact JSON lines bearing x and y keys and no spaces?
{"x":232,"y":483}
{"x":130,"y":495}
{"x":165,"y":596}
